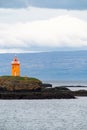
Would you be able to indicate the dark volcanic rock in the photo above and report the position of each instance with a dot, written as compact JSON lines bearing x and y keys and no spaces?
{"x":58,"y":92}
{"x":36,"y":95}
{"x":62,"y":88}
{"x":46,"y":85}
{"x":80,"y":93}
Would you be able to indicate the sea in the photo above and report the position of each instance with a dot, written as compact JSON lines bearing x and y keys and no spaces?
{"x":61,"y":68}
{"x":58,"y":114}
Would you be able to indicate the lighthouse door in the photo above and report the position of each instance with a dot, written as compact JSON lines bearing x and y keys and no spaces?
{"x":15,"y":74}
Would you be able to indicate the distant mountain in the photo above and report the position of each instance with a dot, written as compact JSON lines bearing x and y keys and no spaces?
{"x":49,"y":65}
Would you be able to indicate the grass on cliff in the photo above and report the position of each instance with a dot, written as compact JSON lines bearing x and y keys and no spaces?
{"x":30,"y":79}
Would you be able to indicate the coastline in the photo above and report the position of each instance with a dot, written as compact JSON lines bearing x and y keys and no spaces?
{"x":12,"y":87}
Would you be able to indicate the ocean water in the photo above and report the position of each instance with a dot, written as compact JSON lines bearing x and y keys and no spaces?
{"x":59,"y":114}
{"x":76,"y":85}
{"x":72,"y":83}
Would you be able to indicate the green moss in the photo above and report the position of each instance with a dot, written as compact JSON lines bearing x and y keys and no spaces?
{"x":19,"y":78}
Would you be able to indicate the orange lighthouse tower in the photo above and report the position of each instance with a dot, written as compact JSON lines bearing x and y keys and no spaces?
{"x":15,"y":67}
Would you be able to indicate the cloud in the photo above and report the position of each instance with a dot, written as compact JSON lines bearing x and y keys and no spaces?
{"x":33,"y":14}
{"x":63,"y":31}
{"x":54,"y":29}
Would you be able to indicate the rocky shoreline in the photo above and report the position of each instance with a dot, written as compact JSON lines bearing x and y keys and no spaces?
{"x":32,"y":88}
{"x":51,"y":93}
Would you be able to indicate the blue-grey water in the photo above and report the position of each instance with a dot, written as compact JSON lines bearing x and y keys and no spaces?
{"x":59,"y":114}
{"x":49,"y":65}
{"x":75,"y":85}
{"x":56,"y":83}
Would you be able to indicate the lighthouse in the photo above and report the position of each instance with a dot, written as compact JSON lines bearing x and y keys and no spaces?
{"x":15,"y":67}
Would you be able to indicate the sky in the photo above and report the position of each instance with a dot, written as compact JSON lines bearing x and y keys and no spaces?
{"x":37,"y":25}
